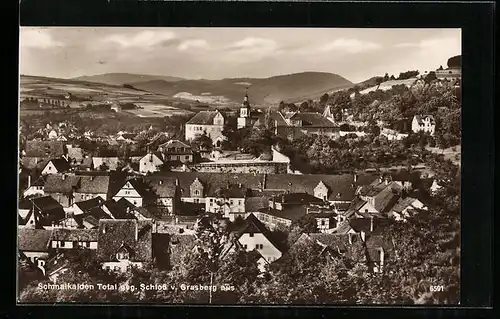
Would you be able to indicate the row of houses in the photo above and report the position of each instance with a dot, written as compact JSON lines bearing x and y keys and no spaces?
{"x":119,"y":244}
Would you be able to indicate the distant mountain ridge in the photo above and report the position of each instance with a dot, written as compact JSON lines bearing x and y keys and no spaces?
{"x":262,"y":91}
{"x":123,"y":78}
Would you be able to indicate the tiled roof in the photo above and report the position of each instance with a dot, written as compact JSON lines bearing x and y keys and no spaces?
{"x":211,"y":181}
{"x":341,"y":187}
{"x":47,"y":149}
{"x":115,"y":233}
{"x":90,"y":203}
{"x":203,"y":118}
{"x":91,"y":220}
{"x":173,"y":145}
{"x":337,"y":242}
{"x":60,"y":164}
{"x":75,"y":153}
{"x":254,"y":225}
{"x":67,"y":234}
{"x":312,"y":119}
{"x":46,"y":203}
{"x":296,"y":199}
{"x":164,"y":187}
{"x":94,"y":184}
{"x":60,"y":183}
{"x":33,"y":239}
{"x":40,"y":181}
{"x":120,"y":209}
{"x":292,"y":213}
{"x":255,"y":204}
{"x":403,"y":203}
{"x":385,"y":200}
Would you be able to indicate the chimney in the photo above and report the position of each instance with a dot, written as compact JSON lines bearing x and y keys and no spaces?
{"x":386,"y":181}
{"x":136,"y":232}
{"x":160,"y":182}
{"x":371,"y":223}
{"x":380,"y":179}
{"x":63,"y":177}
{"x":239,"y":185}
{"x":363,"y":236}
{"x":355,"y":178}
{"x":176,"y":182}
{"x":29,"y":181}
{"x":350,"y":239}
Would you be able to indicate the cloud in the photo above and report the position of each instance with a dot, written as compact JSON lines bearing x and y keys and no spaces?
{"x":144,"y":39}
{"x":350,"y":46}
{"x":429,"y":43}
{"x":193,"y":43}
{"x":251,"y":49}
{"x":37,"y":38}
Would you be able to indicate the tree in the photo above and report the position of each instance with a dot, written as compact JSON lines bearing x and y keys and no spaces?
{"x":104,"y":167}
{"x":386,"y":77}
{"x":431,"y":76}
{"x":392,"y":78}
{"x":324,"y":98}
{"x":202,"y":142}
{"x":455,"y":62}
{"x":306,"y":224}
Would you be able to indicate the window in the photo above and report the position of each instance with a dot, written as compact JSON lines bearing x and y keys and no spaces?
{"x":135,"y":202}
{"x":197,"y":192}
{"x":366,"y":210}
{"x":231,"y":201}
{"x":323,"y":222}
{"x":259,"y":246}
{"x":107,"y":267}
{"x":187,"y":157}
{"x":116,"y":268}
{"x":251,"y":234}
{"x":61,"y":244}
{"x":245,"y":246}
{"x":211,"y":200}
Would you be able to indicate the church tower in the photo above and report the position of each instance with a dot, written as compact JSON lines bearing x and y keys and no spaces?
{"x":244,"y":120}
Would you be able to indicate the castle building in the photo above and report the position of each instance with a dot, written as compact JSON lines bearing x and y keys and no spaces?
{"x":210,"y":123}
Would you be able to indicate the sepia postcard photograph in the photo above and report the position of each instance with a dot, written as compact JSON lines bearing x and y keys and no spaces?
{"x":239,"y":166}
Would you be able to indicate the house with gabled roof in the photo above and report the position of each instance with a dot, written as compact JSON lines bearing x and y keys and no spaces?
{"x":151,"y":162}
{"x":110,"y":162}
{"x":56,"y":166}
{"x":423,"y":123}
{"x":67,"y":238}
{"x":136,"y":191}
{"x":166,"y":193}
{"x":42,"y":212}
{"x":175,"y":150}
{"x":70,"y":188}
{"x":210,"y":123}
{"x":406,"y":207}
{"x":45,"y":149}
{"x":34,"y":243}
{"x":34,"y":188}
{"x":85,"y":207}
{"x":124,"y":243}
{"x":255,"y":236}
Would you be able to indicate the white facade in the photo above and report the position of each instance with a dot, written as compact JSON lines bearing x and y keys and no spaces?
{"x":213,"y":131}
{"x":150,"y":163}
{"x":426,"y":124}
{"x":231,"y":205}
{"x":62,"y":244}
{"x":49,"y":169}
{"x":33,"y":190}
{"x":129,"y":193}
{"x":120,"y":266}
{"x":260,"y":243}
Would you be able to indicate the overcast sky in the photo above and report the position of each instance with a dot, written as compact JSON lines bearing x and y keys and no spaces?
{"x":215,"y":53}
